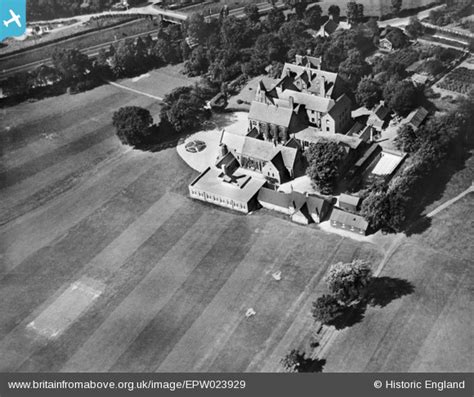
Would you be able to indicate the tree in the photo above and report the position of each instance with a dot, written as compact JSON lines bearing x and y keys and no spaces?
{"x":313,"y":17}
{"x":326,"y":309}
{"x":369,"y":92}
{"x":407,"y":140}
{"x":291,"y":361}
{"x":353,"y":68}
{"x":252,"y":13}
{"x":397,"y":38}
{"x":197,"y":28}
{"x":334,"y":11}
{"x":197,"y":63}
{"x":71,"y":64}
{"x":400,"y":96}
{"x":355,"y":12}
{"x":123,"y":60}
{"x":396,"y":6}
{"x":349,"y":281}
{"x":415,"y":28}
{"x":385,"y":210}
{"x":274,"y":19}
{"x":324,"y":158}
{"x":132,"y":124}
{"x":183,"y":109}
{"x":268,"y":48}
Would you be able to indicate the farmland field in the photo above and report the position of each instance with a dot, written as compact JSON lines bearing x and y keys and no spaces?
{"x":107,"y":265}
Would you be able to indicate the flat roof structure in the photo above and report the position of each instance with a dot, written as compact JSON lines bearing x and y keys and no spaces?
{"x":239,"y":186}
{"x":388,"y":163}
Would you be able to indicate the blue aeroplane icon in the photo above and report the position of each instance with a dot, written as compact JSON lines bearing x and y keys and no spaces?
{"x":12,"y":18}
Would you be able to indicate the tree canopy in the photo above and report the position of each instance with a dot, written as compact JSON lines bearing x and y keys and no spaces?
{"x":324,"y":159}
{"x":183,"y":109}
{"x":368,"y":93}
{"x":355,"y":12}
{"x":326,"y":309}
{"x":132,"y":124}
{"x":349,"y":281}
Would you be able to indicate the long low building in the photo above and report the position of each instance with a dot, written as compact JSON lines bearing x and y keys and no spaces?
{"x":347,"y":221}
{"x":237,"y":191}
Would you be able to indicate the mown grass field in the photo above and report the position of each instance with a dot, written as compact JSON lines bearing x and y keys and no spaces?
{"x":107,"y":265}
{"x":163,"y":281}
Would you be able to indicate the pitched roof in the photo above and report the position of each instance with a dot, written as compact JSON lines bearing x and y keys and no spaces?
{"x":259,"y":149}
{"x":289,"y":155}
{"x":274,"y":197}
{"x":381,"y":111}
{"x":297,"y":199}
{"x":349,"y":219}
{"x":314,"y":135}
{"x":233,"y":141}
{"x":315,"y":204}
{"x":310,"y":101}
{"x":270,"y":114}
{"x":343,"y":102}
{"x":315,"y":75}
{"x":348,"y":199}
{"x":330,"y":26}
{"x":417,"y":116}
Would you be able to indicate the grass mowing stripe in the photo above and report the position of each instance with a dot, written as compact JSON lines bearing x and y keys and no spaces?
{"x":122,"y":326}
{"x":60,"y":215}
{"x":188,"y":301}
{"x":54,"y":355}
{"x":52,"y":266}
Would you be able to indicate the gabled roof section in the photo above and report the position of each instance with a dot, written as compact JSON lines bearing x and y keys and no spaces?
{"x":314,"y":135}
{"x":381,"y":111}
{"x":270,"y":114}
{"x":311,"y":102}
{"x":330,"y":26}
{"x":348,"y":199}
{"x":289,"y":155}
{"x":343,"y":102}
{"x":233,"y":141}
{"x":417,"y":117}
{"x":315,"y":204}
{"x":274,"y":197}
{"x":349,"y":219}
{"x":297,"y":200}
{"x":259,"y":149}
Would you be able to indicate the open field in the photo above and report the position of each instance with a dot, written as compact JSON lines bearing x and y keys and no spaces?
{"x":431,"y":329}
{"x":107,"y":265}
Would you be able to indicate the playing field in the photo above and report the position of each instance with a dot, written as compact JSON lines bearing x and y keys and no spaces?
{"x":107,"y":265}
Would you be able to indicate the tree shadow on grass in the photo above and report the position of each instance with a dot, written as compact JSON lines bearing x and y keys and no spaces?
{"x":309,"y":364}
{"x":383,"y":290}
{"x":351,"y":316}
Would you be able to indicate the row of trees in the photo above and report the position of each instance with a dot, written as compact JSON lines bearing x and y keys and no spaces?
{"x":388,"y":206}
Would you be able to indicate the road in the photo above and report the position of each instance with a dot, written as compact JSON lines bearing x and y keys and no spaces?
{"x":404,"y":21}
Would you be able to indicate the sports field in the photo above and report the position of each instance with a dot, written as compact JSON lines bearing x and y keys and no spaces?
{"x":107,"y":265}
